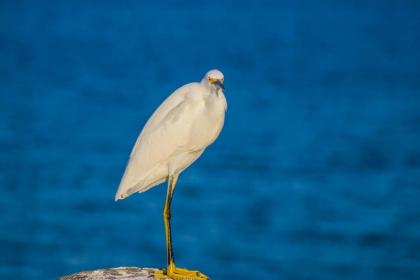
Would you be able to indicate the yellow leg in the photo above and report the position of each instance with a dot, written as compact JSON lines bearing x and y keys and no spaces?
{"x":173,"y":272}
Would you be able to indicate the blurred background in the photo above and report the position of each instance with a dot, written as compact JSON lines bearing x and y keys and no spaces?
{"x":316,"y":174}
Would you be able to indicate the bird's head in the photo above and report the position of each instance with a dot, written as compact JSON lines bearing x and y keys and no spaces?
{"x":214,"y":79}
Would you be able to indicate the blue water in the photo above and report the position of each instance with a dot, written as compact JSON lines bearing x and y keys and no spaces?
{"x":316,"y":174}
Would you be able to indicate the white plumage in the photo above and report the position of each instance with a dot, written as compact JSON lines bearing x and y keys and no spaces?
{"x":177,"y":133}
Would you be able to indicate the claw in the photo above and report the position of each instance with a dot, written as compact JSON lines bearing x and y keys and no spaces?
{"x":176,"y":273}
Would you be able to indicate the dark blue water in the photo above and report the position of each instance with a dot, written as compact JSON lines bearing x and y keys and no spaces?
{"x":316,"y":174}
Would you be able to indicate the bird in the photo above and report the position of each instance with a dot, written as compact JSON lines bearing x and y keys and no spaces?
{"x":175,"y":136}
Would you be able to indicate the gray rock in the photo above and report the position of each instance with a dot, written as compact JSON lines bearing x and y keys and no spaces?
{"x":120,"y":273}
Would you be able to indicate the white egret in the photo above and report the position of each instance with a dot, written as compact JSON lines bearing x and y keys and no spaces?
{"x":177,"y":133}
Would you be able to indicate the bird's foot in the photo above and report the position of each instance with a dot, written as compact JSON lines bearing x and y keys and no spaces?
{"x":177,"y":273}
{"x":185,"y":274}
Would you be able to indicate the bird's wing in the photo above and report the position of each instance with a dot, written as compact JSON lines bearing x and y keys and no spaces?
{"x":161,"y":112}
{"x":165,"y":134}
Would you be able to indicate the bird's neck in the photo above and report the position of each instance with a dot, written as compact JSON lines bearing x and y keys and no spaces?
{"x":216,"y":99}
{"x":206,"y":84}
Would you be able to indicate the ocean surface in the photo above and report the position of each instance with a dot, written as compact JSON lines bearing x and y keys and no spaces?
{"x":316,"y":174}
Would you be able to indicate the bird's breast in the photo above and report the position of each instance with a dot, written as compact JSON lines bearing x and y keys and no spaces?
{"x":208,"y":121}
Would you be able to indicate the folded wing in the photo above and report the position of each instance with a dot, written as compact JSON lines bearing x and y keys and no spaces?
{"x":165,"y":134}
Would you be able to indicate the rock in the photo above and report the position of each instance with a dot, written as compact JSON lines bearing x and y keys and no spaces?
{"x":120,"y":273}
